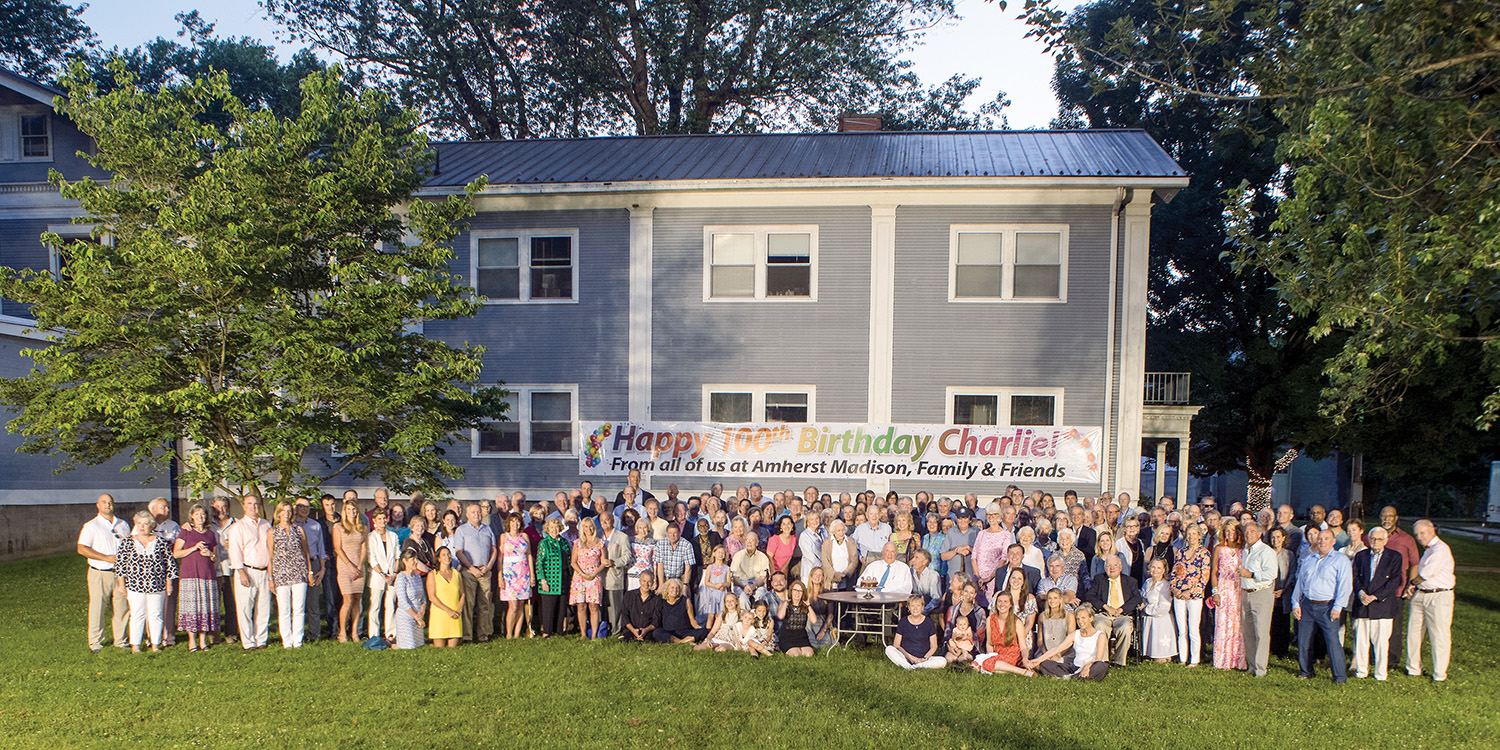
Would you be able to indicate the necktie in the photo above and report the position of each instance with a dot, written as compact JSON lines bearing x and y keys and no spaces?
{"x":885,"y":575}
{"x":1116,"y":599}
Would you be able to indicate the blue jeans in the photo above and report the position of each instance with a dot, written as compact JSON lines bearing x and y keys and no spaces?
{"x":1319,"y":617}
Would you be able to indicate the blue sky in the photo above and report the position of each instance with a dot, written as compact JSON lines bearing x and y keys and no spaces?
{"x":987,"y":43}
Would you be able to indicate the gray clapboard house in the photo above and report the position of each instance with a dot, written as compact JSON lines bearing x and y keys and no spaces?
{"x":958,"y":277}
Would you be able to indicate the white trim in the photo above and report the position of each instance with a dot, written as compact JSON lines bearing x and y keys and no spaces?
{"x":1008,"y":234}
{"x":1106,"y":183}
{"x":21,"y":156}
{"x":882,"y":313}
{"x":82,"y":496}
{"x":640,"y":332}
{"x":785,"y":193}
{"x":758,"y":393}
{"x":24,"y":328}
{"x":761,"y":233}
{"x":29,"y":89}
{"x":1002,"y":401}
{"x":1135,"y":271}
{"x":521,"y":411}
{"x":1106,"y":439}
{"x":523,"y":258}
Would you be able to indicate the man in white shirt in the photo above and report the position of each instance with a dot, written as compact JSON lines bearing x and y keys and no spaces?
{"x":223,"y":521}
{"x":871,"y":537}
{"x":1257,"y":576}
{"x":891,"y":576}
{"x":250,"y":559}
{"x":317,"y":556}
{"x":98,"y":541}
{"x":1431,"y":610}
{"x":167,"y":531}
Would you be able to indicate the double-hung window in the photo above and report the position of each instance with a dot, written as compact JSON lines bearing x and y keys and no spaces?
{"x":542,"y":422}
{"x":1008,"y":262}
{"x":25,"y":133}
{"x":760,"y":262}
{"x":1015,"y":407}
{"x":758,"y":403}
{"x":531,"y":266}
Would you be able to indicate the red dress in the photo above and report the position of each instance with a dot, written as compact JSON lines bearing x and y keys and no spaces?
{"x":1010,"y":654}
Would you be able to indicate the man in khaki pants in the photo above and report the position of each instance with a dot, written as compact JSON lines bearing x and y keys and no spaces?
{"x":99,"y":541}
{"x":1431,"y":593}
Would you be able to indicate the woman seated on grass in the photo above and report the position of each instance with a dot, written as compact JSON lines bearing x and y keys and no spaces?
{"x":721,"y":637}
{"x":1089,"y":647}
{"x":1006,"y":639}
{"x":676,"y":621}
{"x":916,"y":641}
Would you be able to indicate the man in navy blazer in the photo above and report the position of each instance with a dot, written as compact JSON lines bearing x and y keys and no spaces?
{"x":1378,"y":579}
{"x":1115,"y":597}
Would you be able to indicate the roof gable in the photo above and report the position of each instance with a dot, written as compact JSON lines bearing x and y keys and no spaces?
{"x":29,"y":88}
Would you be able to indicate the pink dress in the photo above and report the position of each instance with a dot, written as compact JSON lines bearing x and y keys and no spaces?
{"x":515,"y":569}
{"x":585,"y":591}
{"x":989,"y":554}
{"x":1229,"y":646}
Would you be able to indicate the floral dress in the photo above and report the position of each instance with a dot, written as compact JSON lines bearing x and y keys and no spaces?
{"x":585,"y":591}
{"x":1229,"y":646}
{"x":1190,"y":575}
{"x":644,"y":553}
{"x":515,"y":568}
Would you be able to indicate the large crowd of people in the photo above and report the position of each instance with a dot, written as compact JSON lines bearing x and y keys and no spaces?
{"x":1020,"y":584}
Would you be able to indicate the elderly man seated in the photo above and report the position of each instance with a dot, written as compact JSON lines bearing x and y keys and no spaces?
{"x":1115,"y":597}
{"x":889,"y":575}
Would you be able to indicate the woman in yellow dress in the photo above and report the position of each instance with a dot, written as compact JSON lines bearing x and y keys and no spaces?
{"x":445,"y":589}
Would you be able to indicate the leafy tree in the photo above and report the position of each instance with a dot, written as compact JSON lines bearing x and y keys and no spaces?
{"x":491,"y":69}
{"x":1388,"y":232}
{"x":250,"y":290}
{"x":37,"y":36}
{"x":256,"y":77}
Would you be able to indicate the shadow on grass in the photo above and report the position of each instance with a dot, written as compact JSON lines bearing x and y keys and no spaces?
{"x":947,"y":713}
{"x":1481,"y":602}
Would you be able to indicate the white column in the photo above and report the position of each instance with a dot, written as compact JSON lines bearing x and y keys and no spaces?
{"x":882,"y":321}
{"x":1134,"y":271}
{"x":1161,"y":469}
{"x":639,"y":400}
{"x":1182,"y":470}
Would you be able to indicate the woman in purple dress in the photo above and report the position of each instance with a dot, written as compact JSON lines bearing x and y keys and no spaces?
{"x":198,"y":598}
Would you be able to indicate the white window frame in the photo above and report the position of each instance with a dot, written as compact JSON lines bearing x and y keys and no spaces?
{"x":69,"y":233}
{"x":51,"y":138}
{"x":758,"y":393}
{"x":761,"y":255}
{"x":520,"y":398}
{"x":1002,"y":402}
{"x":1008,"y":262}
{"x":10,"y":134}
{"x":523,"y":256}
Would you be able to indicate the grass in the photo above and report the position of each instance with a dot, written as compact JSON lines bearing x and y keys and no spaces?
{"x":55,"y":694}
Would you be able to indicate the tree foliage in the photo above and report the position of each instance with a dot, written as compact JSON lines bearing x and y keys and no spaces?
{"x":491,"y":69}
{"x":256,"y":76}
{"x":1387,"y":234}
{"x":38,"y":36}
{"x":250,"y":289}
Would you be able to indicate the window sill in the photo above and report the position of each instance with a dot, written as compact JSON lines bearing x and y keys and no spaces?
{"x":500,"y":302}
{"x":513,"y":456}
{"x":776,"y":300}
{"x":1002,"y":301}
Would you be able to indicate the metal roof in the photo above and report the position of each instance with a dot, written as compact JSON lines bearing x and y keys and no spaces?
{"x":881,"y":154}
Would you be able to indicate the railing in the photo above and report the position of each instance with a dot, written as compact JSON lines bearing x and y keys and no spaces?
{"x":27,"y":187}
{"x":1169,"y":388}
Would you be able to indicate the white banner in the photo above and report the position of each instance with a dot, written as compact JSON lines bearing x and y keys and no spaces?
{"x":916,"y":451}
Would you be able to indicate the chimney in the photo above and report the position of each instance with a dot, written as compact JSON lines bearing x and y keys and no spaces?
{"x":850,"y":122}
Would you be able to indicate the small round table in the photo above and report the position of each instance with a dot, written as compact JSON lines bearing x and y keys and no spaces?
{"x":873,"y":613}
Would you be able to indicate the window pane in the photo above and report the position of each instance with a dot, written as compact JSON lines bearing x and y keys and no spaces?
{"x":1038,"y":281}
{"x":789,"y":281}
{"x":551,"y":283}
{"x":789,"y":248}
{"x":977,"y":281}
{"x":1038,"y":248}
{"x":551,"y":251}
{"x":979,"y":248}
{"x":34,"y":142}
{"x":786,"y":407}
{"x":500,"y":437}
{"x":500,"y":283}
{"x":734,"y":249}
{"x":729,"y":407}
{"x":551,"y":437}
{"x":732,"y":281}
{"x":975,"y":409}
{"x":1031,"y":410}
{"x":551,"y":407}
{"x":498,"y":252}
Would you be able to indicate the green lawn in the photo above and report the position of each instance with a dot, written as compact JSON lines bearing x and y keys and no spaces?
{"x":530,"y":693}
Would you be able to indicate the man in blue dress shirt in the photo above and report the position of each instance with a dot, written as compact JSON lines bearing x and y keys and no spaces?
{"x":1324,"y":585}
